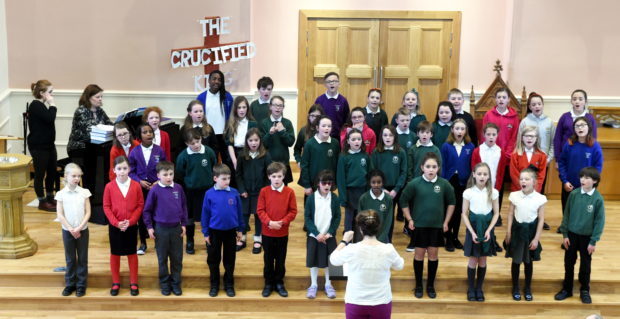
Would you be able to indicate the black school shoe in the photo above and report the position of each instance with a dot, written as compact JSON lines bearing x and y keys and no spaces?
{"x":479,"y":295}
{"x":418,"y":292}
{"x":281,"y":290}
{"x":430,"y":291}
{"x":563,"y":294}
{"x":116,"y":287}
{"x":457,"y":244}
{"x":189,"y":248}
{"x":585,"y":297}
{"x":176,"y":290}
{"x":80,"y":291}
{"x":527,"y":294}
{"x":257,"y":250}
{"x":230,"y":291}
{"x":134,"y":290}
{"x":68,"y":291}
{"x":165,"y":291}
{"x":214,"y":291}
{"x":471,"y":295}
{"x":546,"y":226}
{"x":267,"y":291}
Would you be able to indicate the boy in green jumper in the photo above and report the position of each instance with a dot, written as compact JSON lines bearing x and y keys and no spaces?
{"x":278,"y":135}
{"x":406,"y":137}
{"x":418,"y":151}
{"x":582,"y":226}
{"x":194,"y":170}
{"x":260,"y":106}
{"x":430,"y":196}
{"x":378,"y":200}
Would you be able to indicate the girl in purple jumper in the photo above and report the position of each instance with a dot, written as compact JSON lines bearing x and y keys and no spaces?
{"x":564,"y":130}
{"x":142,"y":160}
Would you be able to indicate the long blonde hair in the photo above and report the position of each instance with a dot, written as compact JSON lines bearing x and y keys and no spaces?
{"x":471,"y":182}
{"x":520,"y":148}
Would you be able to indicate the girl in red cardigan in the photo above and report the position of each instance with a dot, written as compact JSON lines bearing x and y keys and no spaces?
{"x":506,"y":119}
{"x":122,"y":144}
{"x":152,"y":115}
{"x":357,"y":119}
{"x":527,"y":153}
{"x":122,"y":205}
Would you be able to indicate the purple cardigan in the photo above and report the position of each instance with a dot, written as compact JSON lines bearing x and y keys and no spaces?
{"x":139,"y":171}
{"x":564,"y":130}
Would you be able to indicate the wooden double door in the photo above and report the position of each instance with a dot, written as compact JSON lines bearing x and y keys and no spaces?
{"x":392,"y":50}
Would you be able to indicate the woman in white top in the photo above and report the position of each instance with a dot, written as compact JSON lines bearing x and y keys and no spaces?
{"x":368,"y":293}
{"x":525,"y":223}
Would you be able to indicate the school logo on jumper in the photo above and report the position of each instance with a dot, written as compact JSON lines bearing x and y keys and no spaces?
{"x":205,"y":162}
{"x":156,"y":158}
{"x":231,"y":202}
{"x":588,"y":154}
{"x":382,"y":207}
{"x":176,"y":194}
{"x":590,"y":208}
{"x":409,"y":143}
{"x":509,"y":126}
{"x":337,"y":107}
{"x":437,"y":189}
{"x":363,"y":162}
{"x":395,"y":159}
{"x":330,"y":153}
{"x":467,"y":151}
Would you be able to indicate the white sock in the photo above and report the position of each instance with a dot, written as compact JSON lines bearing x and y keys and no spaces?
{"x":258,"y":238}
{"x":243,"y":237}
{"x":327,"y":281}
{"x":314,"y":275}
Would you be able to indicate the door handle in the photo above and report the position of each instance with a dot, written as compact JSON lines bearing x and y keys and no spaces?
{"x":381,"y":77}
{"x":374,"y":76}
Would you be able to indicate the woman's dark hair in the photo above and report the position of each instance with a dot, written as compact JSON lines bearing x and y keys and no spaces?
{"x":368,"y":222}
{"x":89,"y":91}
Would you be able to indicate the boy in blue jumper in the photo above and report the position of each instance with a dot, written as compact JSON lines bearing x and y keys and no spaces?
{"x":165,"y":217}
{"x":222,"y":223}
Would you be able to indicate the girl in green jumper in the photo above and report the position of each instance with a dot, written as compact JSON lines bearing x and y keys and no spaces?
{"x":320,"y":152}
{"x":443,"y":122}
{"x":306,"y":132}
{"x":379,"y":200}
{"x":391,"y":159}
{"x":430,"y":195}
{"x":353,"y":167}
{"x":322,"y":218}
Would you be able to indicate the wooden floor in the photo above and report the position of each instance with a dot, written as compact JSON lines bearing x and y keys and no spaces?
{"x":30,"y":283}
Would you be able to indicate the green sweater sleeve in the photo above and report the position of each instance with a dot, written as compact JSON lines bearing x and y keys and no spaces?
{"x":341,"y":180}
{"x":288,"y":134}
{"x":566,"y":215}
{"x":299,"y":145}
{"x":336,"y":216}
{"x":400,"y":182}
{"x":407,"y":195}
{"x":410,"y":163}
{"x":181,"y":167}
{"x":386,"y":220}
{"x":309,"y":216}
{"x":304,"y":174}
{"x":599,"y":222}
{"x":450,"y":198}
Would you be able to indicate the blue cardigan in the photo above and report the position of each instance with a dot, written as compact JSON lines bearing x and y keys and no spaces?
{"x":228,"y":102}
{"x":451,"y":162}
{"x":577,"y":156}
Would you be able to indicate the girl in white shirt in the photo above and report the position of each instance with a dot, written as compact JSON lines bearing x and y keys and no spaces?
{"x":368,"y":293}
{"x":73,"y":210}
{"x":480,"y":213}
{"x":321,"y":221}
{"x":240,"y":121}
{"x":525,"y":223}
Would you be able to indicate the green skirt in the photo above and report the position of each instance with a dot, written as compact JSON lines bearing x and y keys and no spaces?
{"x":519,"y":248}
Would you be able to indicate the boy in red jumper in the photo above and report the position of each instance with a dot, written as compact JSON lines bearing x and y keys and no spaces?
{"x":276,"y":209}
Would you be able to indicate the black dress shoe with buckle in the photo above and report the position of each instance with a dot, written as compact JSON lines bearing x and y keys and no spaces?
{"x":116,"y":287}
{"x":527,"y":294}
{"x":281,"y":290}
{"x":134,"y":290}
{"x":68,"y":290}
{"x":267,"y":290}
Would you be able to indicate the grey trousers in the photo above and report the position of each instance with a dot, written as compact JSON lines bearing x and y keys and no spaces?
{"x":76,"y":256}
{"x":169,"y":246}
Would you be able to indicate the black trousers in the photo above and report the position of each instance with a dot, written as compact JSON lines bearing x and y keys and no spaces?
{"x":169,"y":247}
{"x":142,"y":232}
{"x":565,"y":195}
{"x":44,"y":162}
{"x":454,"y":224}
{"x":226,"y":241}
{"x":274,"y":258}
{"x":76,"y":256}
{"x":578,"y":243}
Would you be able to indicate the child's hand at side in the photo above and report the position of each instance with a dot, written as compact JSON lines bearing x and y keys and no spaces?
{"x":566,"y":243}
{"x":182,"y":231}
{"x":239,"y":236}
{"x":244,"y":195}
{"x":591,"y":249}
{"x":145,"y":184}
{"x":207,"y":240}
{"x":151,"y":233}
